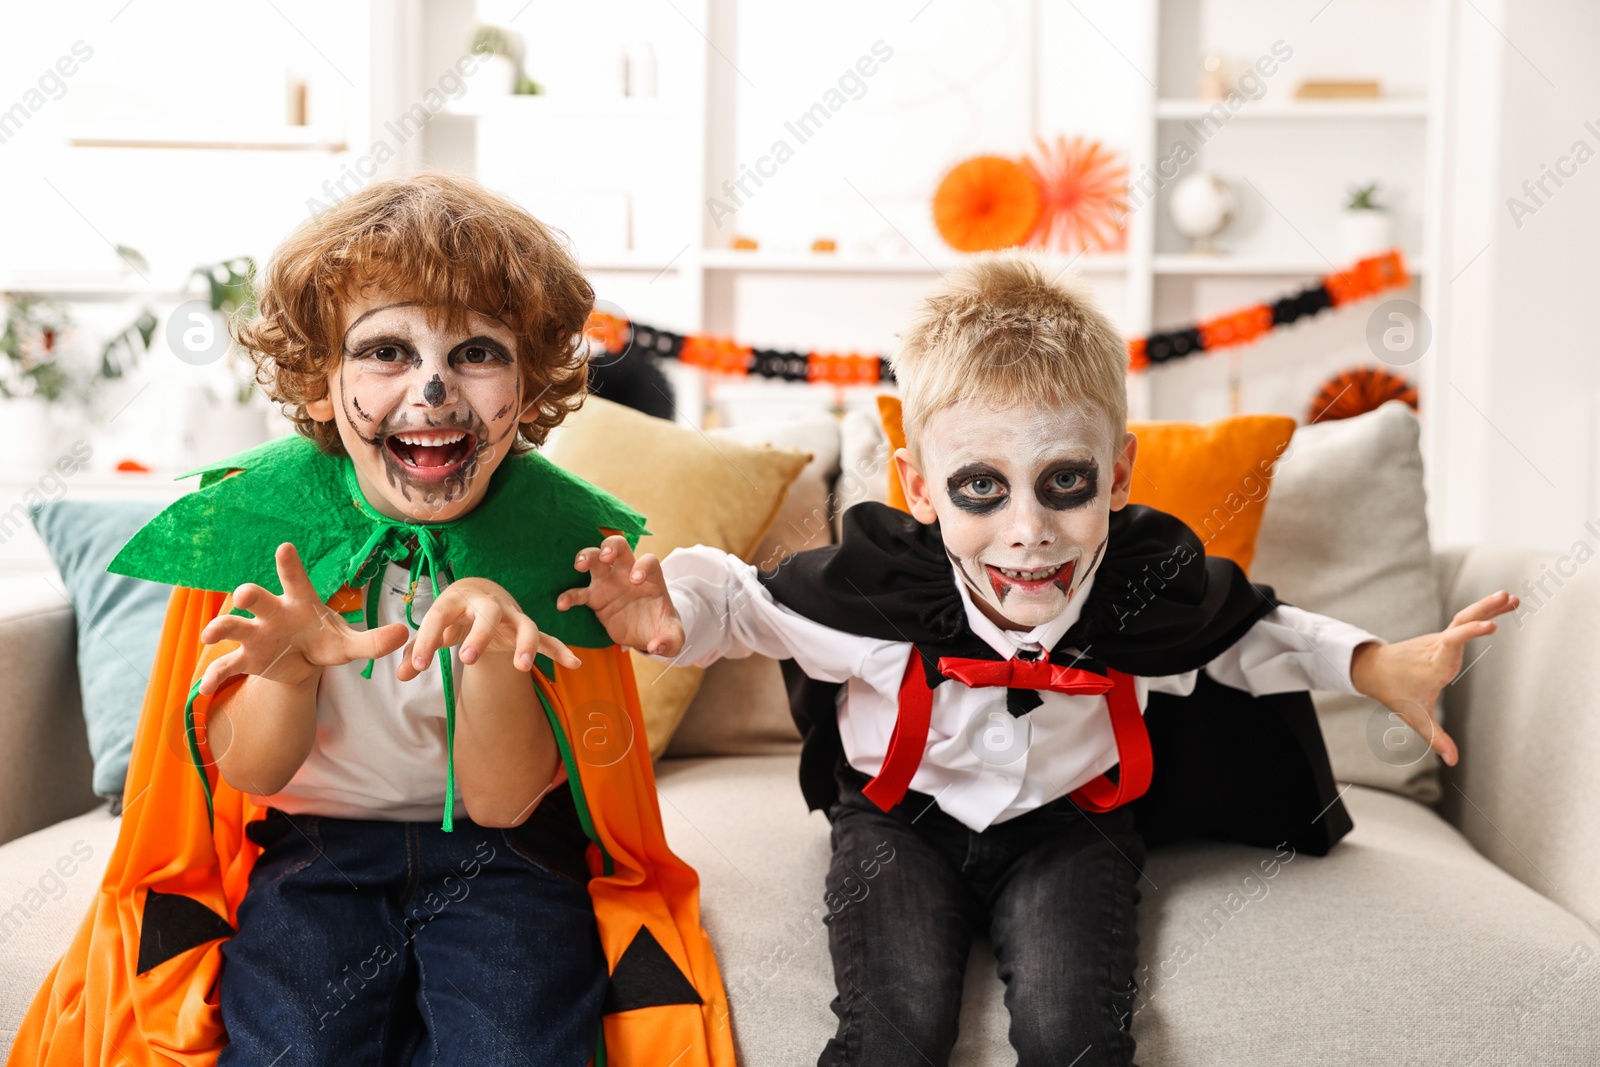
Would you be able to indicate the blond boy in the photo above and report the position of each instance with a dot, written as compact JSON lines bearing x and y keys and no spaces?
{"x":973,"y":670}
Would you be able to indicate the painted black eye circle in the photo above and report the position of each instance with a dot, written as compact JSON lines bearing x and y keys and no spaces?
{"x":1067,"y":486}
{"x":984,"y":486}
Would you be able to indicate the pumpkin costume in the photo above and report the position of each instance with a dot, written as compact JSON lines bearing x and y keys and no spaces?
{"x":139,"y":983}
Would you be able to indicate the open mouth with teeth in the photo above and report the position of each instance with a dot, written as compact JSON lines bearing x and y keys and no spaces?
{"x":1006,"y":580}
{"x":430,"y":455}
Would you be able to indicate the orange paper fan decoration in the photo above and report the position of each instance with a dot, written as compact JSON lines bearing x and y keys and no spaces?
{"x":1083,"y":188}
{"x":985,"y":203}
{"x":1357,"y":391}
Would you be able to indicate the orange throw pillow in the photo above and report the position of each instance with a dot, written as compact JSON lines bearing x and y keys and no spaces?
{"x":1214,"y":477}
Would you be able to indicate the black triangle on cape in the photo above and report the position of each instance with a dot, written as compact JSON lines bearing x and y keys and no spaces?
{"x":646,"y":977}
{"x":1158,"y":606}
{"x":173,"y":923}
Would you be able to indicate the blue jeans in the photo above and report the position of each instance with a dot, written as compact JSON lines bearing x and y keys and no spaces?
{"x":363,"y":941}
{"x":907,"y":890}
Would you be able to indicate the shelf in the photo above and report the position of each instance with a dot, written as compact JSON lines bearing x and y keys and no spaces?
{"x":1277,"y":110}
{"x":91,"y":288}
{"x":852,"y":263}
{"x":559,"y":107}
{"x":631,"y":262}
{"x":1245,"y":266}
{"x":260,"y":139}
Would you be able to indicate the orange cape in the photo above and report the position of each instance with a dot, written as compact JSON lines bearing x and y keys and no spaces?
{"x":98,"y":1009}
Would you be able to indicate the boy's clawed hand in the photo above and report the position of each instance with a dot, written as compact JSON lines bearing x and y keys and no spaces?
{"x":482,"y":618}
{"x":1407,"y":676}
{"x":629,"y":596}
{"x":293,"y":635}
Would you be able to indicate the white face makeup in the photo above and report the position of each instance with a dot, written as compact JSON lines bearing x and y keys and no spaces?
{"x":1023,"y":497}
{"x":426,"y":414}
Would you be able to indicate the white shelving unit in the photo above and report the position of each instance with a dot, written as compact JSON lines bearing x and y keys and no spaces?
{"x":1289,"y":160}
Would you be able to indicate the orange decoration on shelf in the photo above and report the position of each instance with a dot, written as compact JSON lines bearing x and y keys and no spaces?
{"x":1083,"y":189}
{"x":985,"y":203}
{"x":744,"y":244}
{"x":722,"y":355}
{"x":824,"y":244}
{"x":841,"y":368}
{"x":1355,"y":392}
{"x":607,"y":331}
{"x":1240,"y":327}
{"x":1366,"y":278}
{"x":132,"y":466}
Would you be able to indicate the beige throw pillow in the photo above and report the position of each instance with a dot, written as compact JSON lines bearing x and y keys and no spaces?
{"x":692,"y":488}
{"x":1346,"y":534}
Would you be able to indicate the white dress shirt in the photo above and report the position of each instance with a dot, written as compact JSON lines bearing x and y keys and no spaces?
{"x":981,"y":764}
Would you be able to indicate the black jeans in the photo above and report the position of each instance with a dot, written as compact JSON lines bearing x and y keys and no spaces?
{"x":908,"y":889}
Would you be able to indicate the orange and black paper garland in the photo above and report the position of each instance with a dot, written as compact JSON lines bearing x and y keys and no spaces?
{"x":724,"y":355}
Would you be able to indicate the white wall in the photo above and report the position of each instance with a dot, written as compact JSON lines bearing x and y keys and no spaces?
{"x":1518,"y":403}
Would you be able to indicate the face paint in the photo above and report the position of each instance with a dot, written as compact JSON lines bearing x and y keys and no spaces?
{"x":1023,"y":502}
{"x":426,"y":414}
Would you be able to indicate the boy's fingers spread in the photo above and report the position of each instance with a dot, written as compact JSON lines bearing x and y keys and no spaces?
{"x":292,"y":573}
{"x":222,"y":668}
{"x":572,"y":597}
{"x":481,"y":634}
{"x":375,"y":644}
{"x":559,"y":652}
{"x":527,"y":644}
{"x":227,"y":628}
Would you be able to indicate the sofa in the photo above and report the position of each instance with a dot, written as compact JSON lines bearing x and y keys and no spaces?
{"x":1454,"y":925}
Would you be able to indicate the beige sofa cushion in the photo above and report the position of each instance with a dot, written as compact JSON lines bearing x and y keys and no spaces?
{"x":692,"y":490}
{"x":1346,"y":534}
{"x":1402,"y":946}
{"x":47,"y":880}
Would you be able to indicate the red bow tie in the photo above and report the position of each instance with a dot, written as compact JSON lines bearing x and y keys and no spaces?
{"x":1023,"y":674}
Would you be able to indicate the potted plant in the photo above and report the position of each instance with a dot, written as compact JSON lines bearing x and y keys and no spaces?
{"x":498,"y":71}
{"x":34,"y":380}
{"x":1364,"y":225}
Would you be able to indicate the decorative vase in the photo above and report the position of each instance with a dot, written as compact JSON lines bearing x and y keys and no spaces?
{"x":31,"y":434}
{"x":1201,"y":206}
{"x":1364,"y":232}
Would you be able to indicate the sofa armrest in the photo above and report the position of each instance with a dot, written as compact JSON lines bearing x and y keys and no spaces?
{"x":1526,"y":713}
{"x":46,"y":773}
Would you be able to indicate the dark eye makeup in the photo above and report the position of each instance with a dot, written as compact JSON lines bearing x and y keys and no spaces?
{"x":1068,"y":485}
{"x":979,"y":489}
{"x":479,"y":351}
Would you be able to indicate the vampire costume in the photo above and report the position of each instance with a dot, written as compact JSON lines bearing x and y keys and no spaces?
{"x":1217,"y":763}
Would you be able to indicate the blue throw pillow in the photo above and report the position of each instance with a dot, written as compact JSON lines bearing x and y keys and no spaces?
{"x":119,"y":621}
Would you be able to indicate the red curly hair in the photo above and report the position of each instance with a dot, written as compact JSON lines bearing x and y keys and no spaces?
{"x":448,"y":243}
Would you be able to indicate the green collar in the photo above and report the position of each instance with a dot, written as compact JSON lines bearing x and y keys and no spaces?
{"x":524,"y":534}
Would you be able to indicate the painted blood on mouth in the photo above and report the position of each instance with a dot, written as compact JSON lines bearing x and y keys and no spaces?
{"x":1004,"y":583}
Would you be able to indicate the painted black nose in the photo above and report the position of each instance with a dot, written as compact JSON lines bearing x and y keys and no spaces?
{"x":433,"y":392}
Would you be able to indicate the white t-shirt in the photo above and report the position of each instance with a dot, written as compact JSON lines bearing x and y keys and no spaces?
{"x":380,"y":751}
{"x":981,"y":765}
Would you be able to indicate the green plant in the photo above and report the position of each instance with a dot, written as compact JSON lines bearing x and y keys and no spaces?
{"x":29,"y":343}
{"x":1362,"y":198}
{"x":497,"y":41}
{"x":230,"y":288}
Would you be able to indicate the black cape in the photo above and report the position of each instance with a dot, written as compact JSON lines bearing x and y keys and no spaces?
{"x":1227,"y":764}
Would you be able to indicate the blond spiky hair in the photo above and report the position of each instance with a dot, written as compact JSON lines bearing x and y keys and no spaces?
{"x":1008,"y":330}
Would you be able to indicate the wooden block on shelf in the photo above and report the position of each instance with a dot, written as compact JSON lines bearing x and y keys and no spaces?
{"x":1323,"y":89}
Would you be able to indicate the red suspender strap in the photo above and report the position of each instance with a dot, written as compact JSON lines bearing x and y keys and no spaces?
{"x":909,"y":740}
{"x":1133,"y":752}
